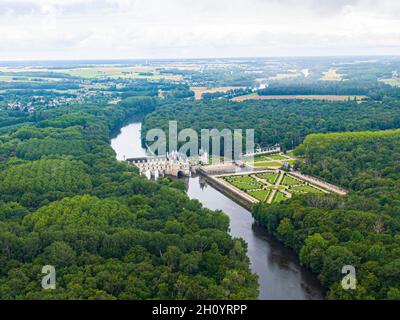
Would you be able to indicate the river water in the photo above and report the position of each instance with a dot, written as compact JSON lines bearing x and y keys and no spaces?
{"x":278,"y":268}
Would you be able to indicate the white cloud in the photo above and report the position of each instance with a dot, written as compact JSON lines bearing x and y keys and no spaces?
{"x":63,"y":29}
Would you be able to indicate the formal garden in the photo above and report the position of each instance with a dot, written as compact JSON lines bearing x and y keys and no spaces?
{"x":271,"y":186}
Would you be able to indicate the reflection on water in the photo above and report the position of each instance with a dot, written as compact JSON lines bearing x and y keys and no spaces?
{"x":128,"y":143}
{"x":279,"y":271}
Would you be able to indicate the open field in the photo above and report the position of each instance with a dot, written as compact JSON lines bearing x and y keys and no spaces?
{"x":268,"y":164}
{"x":290,"y":181}
{"x":260,"y":195}
{"x":183,"y":67}
{"x":198,"y":91}
{"x":332,"y":75}
{"x":255,"y":96}
{"x":278,"y":157}
{"x":272,"y":160}
{"x":283,"y":76}
{"x":120,"y":72}
{"x":271,"y":177}
{"x":19,"y":78}
{"x":279,"y":197}
{"x":243,"y":182}
{"x":113,"y":72}
{"x":306,"y":189}
{"x":262,"y":159}
{"x":394,"y":82}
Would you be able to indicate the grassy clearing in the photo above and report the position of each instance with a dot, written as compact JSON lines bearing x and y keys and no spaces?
{"x":290,"y":181}
{"x":261,"y":195}
{"x":288,"y":75}
{"x":243,"y":182}
{"x":268,"y":164}
{"x":278,"y":157}
{"x":270,"y":177}
{"x":262,"y":159}
{"x":394,"y":82}
{"x":271,"y":160}
{"x":198,"y":91}
{"x":119,"y":72}
{"x":279,"y":197}
{"x":250,"y":96}
{"x":306,"y":189}
{"x":300,"y":97}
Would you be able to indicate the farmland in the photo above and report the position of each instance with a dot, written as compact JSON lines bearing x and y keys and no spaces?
{"x":120,"y":72}
{"x":198,"y":91}
{"x":255,"y":96}
{"x":332,"y":75}
{"x":394,"y":82}
{"x":106,"y":72}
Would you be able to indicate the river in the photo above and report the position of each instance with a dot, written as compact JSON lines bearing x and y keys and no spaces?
{"x":278,"y":268}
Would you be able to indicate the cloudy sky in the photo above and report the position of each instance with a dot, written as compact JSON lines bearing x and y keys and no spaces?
{"x":117,"y":29}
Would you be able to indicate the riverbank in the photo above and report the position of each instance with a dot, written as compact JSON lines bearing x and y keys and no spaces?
{"x":278,"y":188}
{"x":280,"y":273}
{"x":256,"y":227}
{"x":278,"y":268}
{"x":229,"y":193}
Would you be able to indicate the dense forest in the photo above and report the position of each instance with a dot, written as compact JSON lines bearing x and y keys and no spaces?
{"x":286,"y":122}
{"x":21,"y":85}
{"x":375,"y":91}
{"x":321,"y":87}
{"x":327,"y":231}
{"x":111,"y":234}
{"x":361,"y":229}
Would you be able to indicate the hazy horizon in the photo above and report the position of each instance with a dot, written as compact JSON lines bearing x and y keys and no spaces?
{"x":177,"y":29}
{"x":202,"y":58}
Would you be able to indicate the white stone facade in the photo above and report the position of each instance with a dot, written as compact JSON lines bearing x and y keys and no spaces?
{"x":173,"y":164}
